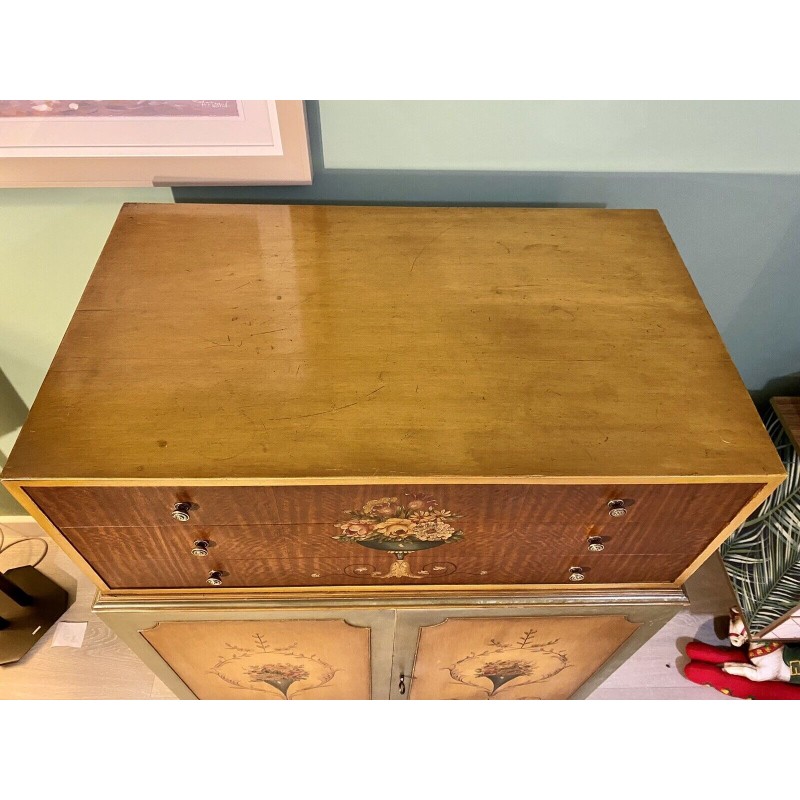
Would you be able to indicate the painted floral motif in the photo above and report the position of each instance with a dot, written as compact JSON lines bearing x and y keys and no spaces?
{"x":503,"y":671}
{"x":416,"y":523}
{"x":281,"y":676}
{"x":516,"y":664}
{"x":282,"y":668}
{"x":416,"y":519}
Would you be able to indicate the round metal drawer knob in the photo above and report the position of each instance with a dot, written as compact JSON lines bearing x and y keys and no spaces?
{"x":576,"y":574}
{"x":595,"y":544}
{"x":181,"y":511}
{"x":616,"y":508}
{"x":200,"y":548}
{"x":214,"y":578}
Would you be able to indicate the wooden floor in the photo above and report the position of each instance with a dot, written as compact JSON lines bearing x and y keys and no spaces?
{"x":105,"y":668}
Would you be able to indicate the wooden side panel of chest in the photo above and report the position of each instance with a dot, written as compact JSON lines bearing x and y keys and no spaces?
{"x":428,"y":534}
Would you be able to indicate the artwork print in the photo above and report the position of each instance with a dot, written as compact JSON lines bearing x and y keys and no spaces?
{"x":118,"y":108}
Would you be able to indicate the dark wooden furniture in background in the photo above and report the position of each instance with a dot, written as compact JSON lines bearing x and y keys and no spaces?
{"x":383,"y":404}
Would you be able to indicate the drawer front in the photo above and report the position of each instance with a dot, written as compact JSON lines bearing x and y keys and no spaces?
{"x":415,"y":535}
{"x":145,"y":506}
{"x":308,"y":556}
{"x":679,"y":518}
{"x":654,"y":508}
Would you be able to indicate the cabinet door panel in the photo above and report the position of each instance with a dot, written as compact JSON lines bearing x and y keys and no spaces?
{"x":267,"y":659}
{"x":513,"y":658}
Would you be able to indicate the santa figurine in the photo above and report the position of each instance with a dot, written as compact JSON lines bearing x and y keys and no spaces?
{"x":760,"y":670}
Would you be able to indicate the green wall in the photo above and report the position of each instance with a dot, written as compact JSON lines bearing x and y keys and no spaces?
{"x":50,"y":240}
{"x":576,"y":136}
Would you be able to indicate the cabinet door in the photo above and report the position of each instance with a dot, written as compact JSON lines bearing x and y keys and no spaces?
{"x":233,"y":655}
{"x":533,"y":653}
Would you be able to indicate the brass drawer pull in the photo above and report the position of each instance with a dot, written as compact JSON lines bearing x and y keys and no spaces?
{"x":616,"y":508}
{"x":200,"y":548}
{"x":214,"y":578}
{"x":595,"y":544}
{"x":576,"y":574}
{"x":181,"y":511}
{"x":402,"y":686}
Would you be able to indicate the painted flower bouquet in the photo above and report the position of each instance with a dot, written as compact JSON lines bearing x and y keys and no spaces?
{"x":387,"y":524}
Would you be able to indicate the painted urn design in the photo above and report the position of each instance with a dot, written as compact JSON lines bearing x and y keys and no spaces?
{"x":512,"y":664}
{"x":416,"y":523}
{"x":260,"y":665}
{"x":278,"y":675}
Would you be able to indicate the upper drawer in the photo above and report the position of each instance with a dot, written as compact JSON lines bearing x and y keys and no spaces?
{"x":146,"y":506}
{"x":660,"y":518}
{"x":518,"y":506}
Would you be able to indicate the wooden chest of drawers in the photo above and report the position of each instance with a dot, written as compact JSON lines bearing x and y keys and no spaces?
{"x":377,"y":397}
{"x":318,"y":403}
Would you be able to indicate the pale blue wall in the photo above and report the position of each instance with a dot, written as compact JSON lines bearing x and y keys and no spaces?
{"x":741,"y":136}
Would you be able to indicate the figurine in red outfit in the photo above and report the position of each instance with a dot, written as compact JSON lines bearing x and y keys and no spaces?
{"x":765,"y":670}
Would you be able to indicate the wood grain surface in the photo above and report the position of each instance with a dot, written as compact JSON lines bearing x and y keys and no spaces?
{"x":511,"y":534}
{"x":687,"y":506}
{"x":340,"y":342}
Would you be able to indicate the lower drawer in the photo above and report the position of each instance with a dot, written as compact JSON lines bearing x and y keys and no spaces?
{"x":278,"y":556}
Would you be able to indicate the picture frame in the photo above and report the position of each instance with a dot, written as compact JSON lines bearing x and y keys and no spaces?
{"x":134,"y":143}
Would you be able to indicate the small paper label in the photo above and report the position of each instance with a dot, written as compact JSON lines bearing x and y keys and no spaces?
{"x":69,"y":634}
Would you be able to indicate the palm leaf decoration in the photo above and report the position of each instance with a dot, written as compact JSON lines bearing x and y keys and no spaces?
{"x":762,"y":557}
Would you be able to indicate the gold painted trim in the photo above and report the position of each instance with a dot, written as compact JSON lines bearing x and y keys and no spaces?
{"x":330,"y":592}
{"x":369,"y":480}
{"x":164,"y":602}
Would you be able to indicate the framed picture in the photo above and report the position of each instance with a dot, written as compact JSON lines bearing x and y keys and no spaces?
{"x":152,"y":142}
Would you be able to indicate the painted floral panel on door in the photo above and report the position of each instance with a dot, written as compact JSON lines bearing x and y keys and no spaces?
{"x":513,"y":658}
{"x":267,"y":660}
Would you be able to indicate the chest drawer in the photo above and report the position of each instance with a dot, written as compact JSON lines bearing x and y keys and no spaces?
{"x":648,"y":512}
{"x":144,"y":506}
{"x":127,"y":558}
{"x":527,"y":536}
{"x":264,"y":536}
{"x":147,"y":506}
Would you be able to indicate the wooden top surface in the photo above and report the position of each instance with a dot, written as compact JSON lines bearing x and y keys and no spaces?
{"x":338,"y":343}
